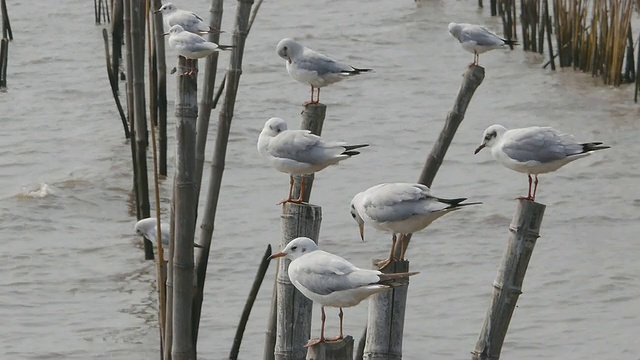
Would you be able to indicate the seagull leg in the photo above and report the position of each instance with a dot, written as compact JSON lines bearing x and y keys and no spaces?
{"x":341,"y":336}
{"x":290,"y":191}
{"x":384,"y":263}
{"x":528,"y":197}
{"x":403,"y":245}
{"x":312,"y":342}
{"x":311,"y":101}
{"x":299,"y":199}
{"x":535,"y":189}
{"x":318,"y":99}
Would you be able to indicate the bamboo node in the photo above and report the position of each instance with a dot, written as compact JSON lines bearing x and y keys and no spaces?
{"x":512,"y":289}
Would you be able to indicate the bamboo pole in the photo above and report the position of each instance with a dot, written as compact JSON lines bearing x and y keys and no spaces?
{"x":140,"y":121}
{"x":117,"y":29}
{"x":253,"y":293}
{"x":270,"y":334}
{"x":161,"y":72}
{"x":385,"y":323}
{"x":335,"y":350}
{"x":472,"y":78}
{"x":152,"y":69}
{"x":113,"y":81}
{"x":4,"y":61}
{"x":547,"y":25}
{"x":523,"y":233}
{"x":168,"y":331}
{"x":6,"y":24}
{"x":494,"y":8}
{"x":186,"y":112}
{"x":313,"y":116}
{"x":206,"y":102}
{"x":637,"y":89}
{"x":294,"y":309}
{"x":234,"y":71}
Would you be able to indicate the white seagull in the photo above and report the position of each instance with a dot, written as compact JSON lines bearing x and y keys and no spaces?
{"x":189,"y":21}
{"x":299,"y":152}
{"x":400,"y":208}
{"x":477,"y":39}
{"x":534,"y":150}
{"x":313,"y":68}
{"x":331,"y":280}
{"x":147,"y":228}
{"x":191,"y":46}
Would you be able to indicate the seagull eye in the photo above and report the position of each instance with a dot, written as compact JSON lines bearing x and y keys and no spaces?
{"x":353,"y":215}
{"x":294,"y":248}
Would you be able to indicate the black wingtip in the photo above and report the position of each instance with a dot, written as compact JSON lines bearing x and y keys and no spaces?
{"x":456,"y":203}
{"x":511,"y":43}
{"x":353,"y":147}
{"x":593,"y":146}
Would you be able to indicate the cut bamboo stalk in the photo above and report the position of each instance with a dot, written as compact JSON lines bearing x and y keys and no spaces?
{"x":385,"y":323}
{"x":523,"y":233}
{"x":243,"y":11}
{"x":334,"y":350}
{"x":186,"y":112}
{"x":206,"y":101}
{"x":253,"y":293}
{"x":313,"y":117}
{"x":113,"y":81}
{"x":294,"y":309}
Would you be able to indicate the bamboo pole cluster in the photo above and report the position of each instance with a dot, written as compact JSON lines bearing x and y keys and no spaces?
{"x":532,"y":25}
{"x":101,"y":11}
{"x":592,"y":36}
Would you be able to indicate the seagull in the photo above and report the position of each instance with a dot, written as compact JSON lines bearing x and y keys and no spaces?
{"x":148,"y":228}
{"x":191,"y":46}
{"x":331,"y":280}
{"x":189,"y":21}
{"x":478,"y":39}
{"x":299,"y":152}
{"x":313,"y":68}
{"x":534,"y":150}
{"x":400,"y":208}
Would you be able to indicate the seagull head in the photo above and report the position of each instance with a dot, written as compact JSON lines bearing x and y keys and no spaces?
{"x":296,"y":248}
{"x":175,"y":29}
{"x":356,"y":215}
{"x":455,"y":29}
{"x":144,"y":226}
{"x":491,"y":136}
{"x":167,"y":8}
{"x":289,"y":49}
{"x":274,"y":126}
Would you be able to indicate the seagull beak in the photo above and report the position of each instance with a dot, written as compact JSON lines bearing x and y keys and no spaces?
{"x":277,"y":255}
{"x":165,"y":34}
{"x":361,"y":226}
{"x":156,"y":11}
{"x":289,"y":60}
{"x":479,"y":148}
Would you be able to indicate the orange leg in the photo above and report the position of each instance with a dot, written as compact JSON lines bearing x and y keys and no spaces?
{"x":321,"y":339}
{"x":318,"y":99}
{"x":341,"y":336}
{"x":535,"y":189}
{"x":528,"y":197}
{"x":403,"y":245}
{"x":288,"y":199}
{"x":299,"y":199}
{"x":384,"y":263}
{"x":311,"y":101}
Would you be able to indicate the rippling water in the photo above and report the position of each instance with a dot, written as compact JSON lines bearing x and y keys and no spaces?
{"x":75,"y":285}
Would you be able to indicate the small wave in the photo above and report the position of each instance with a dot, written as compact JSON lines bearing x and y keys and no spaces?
{"x":43,"y":191}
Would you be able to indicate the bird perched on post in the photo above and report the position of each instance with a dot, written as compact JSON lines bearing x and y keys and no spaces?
{"x":534,"y":150}
{"x":477,"y":39}
{"x":333,"y":281}
{"x":191,"y":46}
{"x":189,"y":21}
{"x":402,"y":209}
{"x":299,"y":152}
{"x":313,"y":68}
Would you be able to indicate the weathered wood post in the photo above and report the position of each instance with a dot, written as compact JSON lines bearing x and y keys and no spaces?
{"x":523,"y":233}
{"x":386,"y":310}
{"x":335,"y":350}
{"x":186,"y":111}
{"x":294,"y":309}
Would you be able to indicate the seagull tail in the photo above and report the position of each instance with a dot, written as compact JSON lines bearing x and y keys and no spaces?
{"x":593,"y":146}
{"x":511,"y":43}
{"x":350,"y":149}
{"x":356,"y":71}
{"x":457,"y":203}
{"x":226,"y":47}
{"x":396,"y":279}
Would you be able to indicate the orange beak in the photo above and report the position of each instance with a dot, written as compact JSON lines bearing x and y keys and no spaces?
{"x":479,"y":148}
{"x":277,"y":255}
{"x":361,"y":231}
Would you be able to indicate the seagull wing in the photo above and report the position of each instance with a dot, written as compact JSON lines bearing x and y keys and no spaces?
{"x":541,"y":144}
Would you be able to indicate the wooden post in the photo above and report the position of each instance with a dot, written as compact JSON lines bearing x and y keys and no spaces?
{"x":312,"y":119}
{"x":472,"y":78}
{"x":184,"y":189}
{"x":335,"y":350}
{"x":523,"y":233}
{"x":385,"y":323}
{"x":294,"y":309}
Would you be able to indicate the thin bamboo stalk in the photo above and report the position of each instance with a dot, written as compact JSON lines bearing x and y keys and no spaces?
{"x":7,"y":33}
{"x":253,"y":293}
{"x":547,"y":21}
{"x":152,"y":68}
{"x":206,"y":102}
{"x":112,"y":81}
{"x":270,"y":334}
{"x":168,"y":332}
{"x":4,"y":61}
{"x":184,"y":189}
{"x":225,"y":117}
{"x":117,"y":30}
